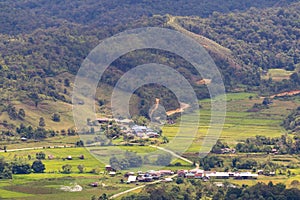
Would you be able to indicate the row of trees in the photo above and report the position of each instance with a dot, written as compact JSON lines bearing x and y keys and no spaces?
{"x":20,"y":114}
{"x":13,"y":113}
{"x":238,"y":163}
{"x":194,"y":189}
{"x":38,"y":133}
{"x":19,"y":166}
{"x":282,"y":145}
{"x":132,"y":160}
{"x":129,"y":160}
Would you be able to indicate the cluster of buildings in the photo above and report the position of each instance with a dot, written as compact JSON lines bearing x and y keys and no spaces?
{"x":143,"y":132}
{"x":206,"y":175}
{"x":135,"y":130}
{"x":190,"y":174}
{"x":227,"y":150}
{"x":148,"y":176}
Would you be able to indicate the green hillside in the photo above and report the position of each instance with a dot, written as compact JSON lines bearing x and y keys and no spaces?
{"x":292,"y":121}
{"x":43,"y":43}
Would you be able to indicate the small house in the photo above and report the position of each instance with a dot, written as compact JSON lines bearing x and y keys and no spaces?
{"x":112,"y":173}
{"x":218,"y":175}
{"x":260,"y":172}
{"x":103,"y":120}
{"x":128,"y":174}
{"x":167,"y":180}
{"x":227,"y":150}
{"x":166,"y":172}
{"x":131,"y":179}
{"x":198,"y":175}
{"x":245,"y":175}
{"x":69,"y":158}
{"x":274,"y":151}
{"x":152,"y":135}
{"x":95,"y":184}
{"x":108,"y":168}
{"x":190,"y":175}
{"x":139,"y":129}
{"x":181,"y":173}
{"x":147,"y":178}
{"x":272,"y":173}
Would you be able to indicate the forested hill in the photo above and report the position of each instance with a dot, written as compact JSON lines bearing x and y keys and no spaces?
{"x":43,"y":43}
{"x":263,"y":38}
{"x":292,"y":122}
{"x":24,"y":16}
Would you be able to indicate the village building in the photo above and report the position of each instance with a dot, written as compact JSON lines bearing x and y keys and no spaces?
{"x":166,"y":172}
{"x":152,"y":134}
{"x":124,"y":121}
{"x":190,"y":175}
{"x":112,"y":173}
{"x":272,"y":173}
{"x":103,"y":120}
{"x":274,"y":151}
{"x":167,"y":180}
{"x":109,"y":168}
{"x":181,"y":173}
{"x":69,"y":158}
{"x":139,"y":129}
{"x":145,"y":178}
{"x":227,"y":150}
{"x":260,"y":172}
{"x":217,"y":175}
{"x":198,"y":175}
{"x":95,"y":184}
{"x":245,"y":175}
{"x":132,"y":179}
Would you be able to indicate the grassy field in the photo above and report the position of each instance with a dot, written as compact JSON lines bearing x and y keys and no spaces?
{"x":239,"y":124}
{"x":54,"y":165}
{"x":52,"y":141}
{"x":47,"y":185}
{"x":45,"y":109}
{"x":278,"y":74}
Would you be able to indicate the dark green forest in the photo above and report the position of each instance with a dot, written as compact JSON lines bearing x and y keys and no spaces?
{"x":292,"y":122}
{"x":260,"y":38}
{"x":26,"y":16}
{"x":41,"y":40}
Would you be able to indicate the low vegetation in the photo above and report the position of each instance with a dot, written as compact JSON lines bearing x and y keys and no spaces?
{"x":292,"y":121}
{"x":191,"y":189}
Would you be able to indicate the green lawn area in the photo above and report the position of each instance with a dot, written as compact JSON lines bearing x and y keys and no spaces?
{"x":278,"y":74}
{"x":45,"y":109}
{"x":239,"y":123}
{"x":54,"y":165}
{"x":44,"y":187}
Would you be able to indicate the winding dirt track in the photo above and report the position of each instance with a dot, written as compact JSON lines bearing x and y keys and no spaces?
{"x":183,"y":106}
{"x":290,"y":93}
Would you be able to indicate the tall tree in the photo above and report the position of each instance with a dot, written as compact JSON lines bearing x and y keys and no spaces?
{"x":38,"y":166}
